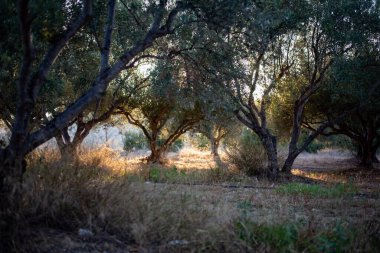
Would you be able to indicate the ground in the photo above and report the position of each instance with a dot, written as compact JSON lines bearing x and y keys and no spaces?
{"x":189,"y":206}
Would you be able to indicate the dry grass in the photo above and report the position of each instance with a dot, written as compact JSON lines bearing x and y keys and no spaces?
{"x":109,"y":195}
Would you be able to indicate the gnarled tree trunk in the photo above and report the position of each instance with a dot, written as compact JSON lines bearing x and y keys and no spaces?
{"x":156,"y":152}
{"x":270,"y":145}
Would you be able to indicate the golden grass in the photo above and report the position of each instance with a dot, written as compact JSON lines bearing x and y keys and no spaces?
{"x":99,"y":194}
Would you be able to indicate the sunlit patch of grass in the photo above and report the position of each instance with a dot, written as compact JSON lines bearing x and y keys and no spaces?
{"x":315,"y":190}
{"x":192,"y":159}
{"x":106,"y":158}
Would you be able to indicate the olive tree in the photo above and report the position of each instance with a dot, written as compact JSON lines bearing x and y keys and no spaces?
{"x":37,"y":61}
{"x":164,"y":110}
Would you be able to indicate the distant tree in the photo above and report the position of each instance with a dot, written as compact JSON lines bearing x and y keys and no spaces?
{"x":164,"y":111}
{"x":319,"y":47}
{"x":218,"y":123}
{"x":352,"y":83}
{"x":267,"y":55}
{"x":120,"y":92}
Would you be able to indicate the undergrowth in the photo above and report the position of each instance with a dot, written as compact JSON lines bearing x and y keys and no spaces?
{"x":169,"y":217}
{"x":163,"y":174}
{"x":315,"y":190}
{"x":293,"y":237}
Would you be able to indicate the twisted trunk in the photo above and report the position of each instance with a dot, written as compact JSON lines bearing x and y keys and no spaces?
{"x":156,"y":152}
{"x":214,"y":144}
{"x":270,"y":145}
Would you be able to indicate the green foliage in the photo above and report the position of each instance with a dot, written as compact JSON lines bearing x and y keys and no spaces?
{"x":279,"y":237}
{"x":314,"y":146}
{"x":160,"y":174}
{"x":248,"y":155}
{"x":290,"y":237}
{"x":175,"y":147}
{"x":134,"y":140}
{"x":200,"y":141}
{"x":337,"y":141}
{"x":335,"y":240}
{"x":339,"y":190}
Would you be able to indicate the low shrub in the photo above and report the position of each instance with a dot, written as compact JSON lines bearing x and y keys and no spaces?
{"x":294,"y":237}
{"x":248,"y":155}
{"x":134,"y":140}
{"x":161,"y":174}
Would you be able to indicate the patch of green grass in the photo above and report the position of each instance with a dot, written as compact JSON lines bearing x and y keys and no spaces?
{"x":159,"y":174}
{"x":315,"y":190}
{"x":293,"y":237}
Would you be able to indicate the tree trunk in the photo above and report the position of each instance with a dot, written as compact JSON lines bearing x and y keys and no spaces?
{"x":67,"y":148}
{"x":367,"y":155}
{"x":156,"y":152}
{"x":375,"y":147}
{"x":154,"y":157}
{"x":287,"y":167}
{"x":374,"y":157}
{"x":214,"y":144}
{"x":366,"y":159}
{"x":270,"y":145}
{"x":214,"y":147}
{"x":11,"y":170}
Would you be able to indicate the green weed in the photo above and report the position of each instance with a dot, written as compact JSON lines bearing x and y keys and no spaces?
{"x":315,"y":190}
{"x":292,"y":237}
{"x":159,"y":174}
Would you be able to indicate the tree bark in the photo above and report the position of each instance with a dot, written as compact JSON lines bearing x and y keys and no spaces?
{"x":270,"y":145}
{"x":155,"y":156}
{"x":214,"y":144}
{"x":374,"y":155}
{"x":287,"y":167}
{"x":156,"y":152}
{"x":11,"y":169}
{"x":367,"y":154}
